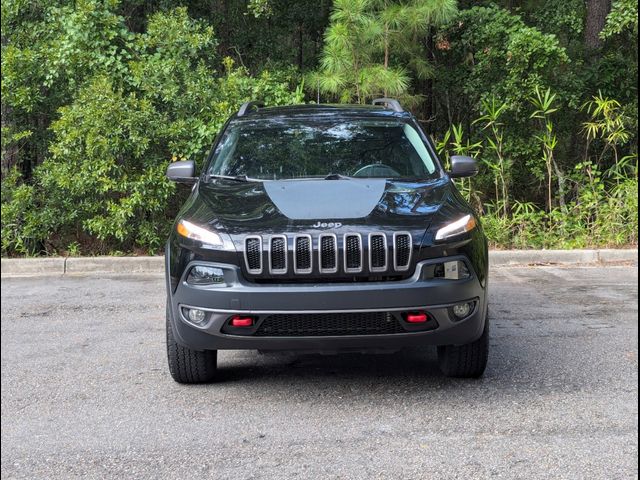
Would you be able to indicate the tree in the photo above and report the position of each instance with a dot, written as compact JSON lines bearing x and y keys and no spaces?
{"x":103,"y":179}
{"x":368,"y":40}
{"x":597,"y":11}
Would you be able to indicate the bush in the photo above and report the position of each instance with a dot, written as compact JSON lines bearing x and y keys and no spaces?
{"x":18,"y":235}
{"x":103,"y":183}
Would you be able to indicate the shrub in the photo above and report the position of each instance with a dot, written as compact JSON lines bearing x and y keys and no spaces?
{"x":103,"y":182}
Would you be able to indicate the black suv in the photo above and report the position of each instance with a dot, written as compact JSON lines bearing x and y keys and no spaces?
{"x":325,"y":228}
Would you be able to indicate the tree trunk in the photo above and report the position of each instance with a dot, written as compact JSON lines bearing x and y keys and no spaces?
{"x":300,"y":46}
{"x":425,"y":87}
{"x":561,"y":187}
{"x":597,"y":11}
{"x":430,"y":100}
{"x":386,"y":46}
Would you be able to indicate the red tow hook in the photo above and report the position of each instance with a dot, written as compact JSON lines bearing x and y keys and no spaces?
{"x":238,"y":321}
{"x":417,"y":317}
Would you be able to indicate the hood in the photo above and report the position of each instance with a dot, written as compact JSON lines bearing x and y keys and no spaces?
{"x":304,"y":205}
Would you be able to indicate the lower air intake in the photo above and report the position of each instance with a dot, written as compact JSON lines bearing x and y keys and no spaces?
{"x":329,"y":324}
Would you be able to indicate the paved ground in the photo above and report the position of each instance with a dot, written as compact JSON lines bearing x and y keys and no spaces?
{"x":86,"y":393}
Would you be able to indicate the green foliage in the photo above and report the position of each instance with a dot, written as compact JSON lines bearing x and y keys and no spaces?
{"x":106,"y":168}
{"x":493,"y":53}
{"x":365,"y":39}
{"x":104,"y":177}
{"x":596,"y":218}
{"x":497,"y":161}
{"x":608,"y":123}
{"x":260,"y":8}
{"x":544,"y":103}
{"x":98,"y":97}
{"x":599,"y":209}
{"x":454,"y":142}
{"x":623,"y":16}
{"x":19,"y":227}
{"x":349,"y":69}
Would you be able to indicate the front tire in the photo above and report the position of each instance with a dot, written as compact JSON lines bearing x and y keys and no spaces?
{"x":187,"y":365}
{"x":465,"y":361}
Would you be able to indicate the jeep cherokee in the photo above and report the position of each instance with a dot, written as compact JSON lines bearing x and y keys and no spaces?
{"x":325,"y":228}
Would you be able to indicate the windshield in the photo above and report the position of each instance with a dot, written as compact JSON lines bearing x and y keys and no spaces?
{"x":282,"y":149}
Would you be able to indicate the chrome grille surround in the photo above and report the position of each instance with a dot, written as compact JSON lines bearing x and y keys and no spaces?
{"x":301,"y":252}
{"x":400,"y":252}
{"x":323,"y":252}
{"x":346,"y":253}
{"x":378,"y":267}
{"x":278,"y":253}
{"x":332,"y":257}
{"x":250,"y":254}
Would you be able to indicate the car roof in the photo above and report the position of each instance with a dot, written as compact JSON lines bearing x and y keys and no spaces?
{"x":323,"y":110}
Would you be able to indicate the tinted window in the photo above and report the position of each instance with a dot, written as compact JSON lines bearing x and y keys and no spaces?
{"x":302,"y":148}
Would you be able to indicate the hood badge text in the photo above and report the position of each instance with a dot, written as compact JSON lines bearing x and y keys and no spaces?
{"x":327,"y":225}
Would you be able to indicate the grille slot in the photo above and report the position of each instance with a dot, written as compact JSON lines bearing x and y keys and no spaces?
{"x":377,"y":252}
{"x":278,"y":254}
{"x":253,"y":254}
{"x":329,"y":324}
{"x":402,"y":251}
{"x":328,"y":252}
{"x":352,"y":253}
{"x":302,"y":254}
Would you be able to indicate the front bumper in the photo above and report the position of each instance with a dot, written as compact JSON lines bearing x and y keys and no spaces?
{"x":240,"y":297}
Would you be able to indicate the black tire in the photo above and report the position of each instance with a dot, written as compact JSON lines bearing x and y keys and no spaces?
{"x":465,"y":361}
{"x":186,"y":365}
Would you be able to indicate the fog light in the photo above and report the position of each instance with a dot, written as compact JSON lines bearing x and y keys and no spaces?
{"x":202,"y":275}
{"x":462,"y":310}
{"x":196,"y":316}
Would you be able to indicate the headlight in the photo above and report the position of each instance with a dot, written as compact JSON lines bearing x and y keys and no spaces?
{"x":465,"y":224}
{"x":194,"y":232}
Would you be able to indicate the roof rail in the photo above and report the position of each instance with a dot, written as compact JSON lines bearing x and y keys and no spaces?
{"x":391,"y":103}
{"x":248,"y":106}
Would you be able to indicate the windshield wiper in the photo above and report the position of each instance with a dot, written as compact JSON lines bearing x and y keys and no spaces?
{"x":235,"y":178}
{"x":336,"y":176}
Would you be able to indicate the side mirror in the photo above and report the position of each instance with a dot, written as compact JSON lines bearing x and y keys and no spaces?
{"x":462,"y":166}
{"x":182,"y":172}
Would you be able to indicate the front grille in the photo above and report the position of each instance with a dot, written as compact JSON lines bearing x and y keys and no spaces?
{"x":385,"y":255}
{"x":253,"y":254}
{"x":401,"y":251}
{"x":352,"y":253}
{"x":378,"y":252}
{"x":329,"y":324}
{"x":328,"y":253}
{"x":302,"y":254}
{"x":278,"y":255}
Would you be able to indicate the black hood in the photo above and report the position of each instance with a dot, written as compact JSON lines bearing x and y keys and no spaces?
{"x":293,"y":206}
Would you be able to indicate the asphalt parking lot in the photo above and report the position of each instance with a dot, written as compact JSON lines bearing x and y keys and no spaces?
{"x":86,"y":391}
